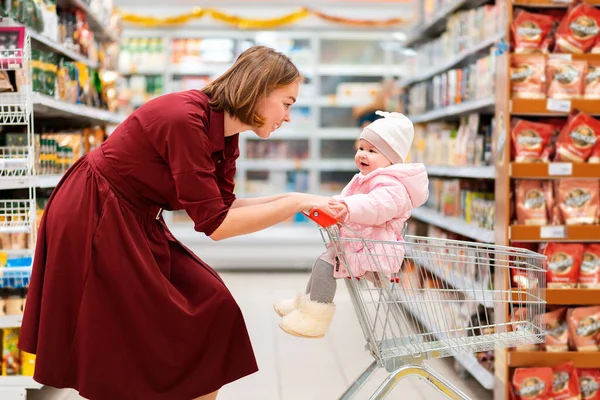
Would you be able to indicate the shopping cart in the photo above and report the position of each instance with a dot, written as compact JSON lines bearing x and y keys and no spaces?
{"x":445,"y":286}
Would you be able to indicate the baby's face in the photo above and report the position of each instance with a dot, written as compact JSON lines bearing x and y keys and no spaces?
{"x":368,"y":158}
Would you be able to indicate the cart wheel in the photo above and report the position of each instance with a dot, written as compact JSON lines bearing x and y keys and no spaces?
{"x":460,"y":370}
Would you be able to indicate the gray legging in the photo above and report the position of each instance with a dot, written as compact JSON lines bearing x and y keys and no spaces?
{"x":321,"y":284}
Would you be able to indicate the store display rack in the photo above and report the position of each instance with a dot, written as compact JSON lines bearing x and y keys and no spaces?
{"x":509,"y":233}
{"x":18,"y":163}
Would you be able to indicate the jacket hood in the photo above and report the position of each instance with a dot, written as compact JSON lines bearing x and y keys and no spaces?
{"x":413,"y":176}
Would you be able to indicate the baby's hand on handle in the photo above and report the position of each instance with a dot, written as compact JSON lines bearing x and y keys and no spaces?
{"x":339,"y":208}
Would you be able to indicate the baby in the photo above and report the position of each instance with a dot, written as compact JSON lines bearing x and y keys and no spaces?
{"x":375,"y":204}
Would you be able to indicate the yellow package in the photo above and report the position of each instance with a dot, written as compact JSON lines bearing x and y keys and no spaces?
{"x":27,"y":363}
{"x":11,"y":357}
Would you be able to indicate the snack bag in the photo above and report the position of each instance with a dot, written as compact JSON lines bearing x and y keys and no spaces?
{"x":565,"y":382}
{"x":584,"y":327}
{"x":527,"y":76}
{"x":589,"y":383}
{"x":563,"y":264}
{"x":592,"y":81}
{"x":555,"y":324}
{"x":520,"y":321}
{"x":533,"y":383}
{"x":531,"y":203}
{"x":577,"y":138}
{"x":578,"y":31}
{"x":589,"y":274}
{"x":531,"y":140}
{"x":531,"y":32}
{"x":565,"y":79}
{"x":578,"y":201}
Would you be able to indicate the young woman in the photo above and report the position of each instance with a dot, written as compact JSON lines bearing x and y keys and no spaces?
{"x":117,"y":307}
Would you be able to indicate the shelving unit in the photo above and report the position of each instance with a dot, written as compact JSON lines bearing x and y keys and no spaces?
{"x":19,"y":175}
{"x":455,"y":109}
{"x":507,"y":232}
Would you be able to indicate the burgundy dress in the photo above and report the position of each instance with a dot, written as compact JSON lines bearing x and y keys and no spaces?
{"x":117,"y":308}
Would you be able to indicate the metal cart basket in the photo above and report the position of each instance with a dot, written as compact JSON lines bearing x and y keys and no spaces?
{"x":446,"y":286}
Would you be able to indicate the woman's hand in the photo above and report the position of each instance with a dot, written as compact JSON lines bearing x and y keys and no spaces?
{"x":315,"y":201}
{"x":339,"y":208}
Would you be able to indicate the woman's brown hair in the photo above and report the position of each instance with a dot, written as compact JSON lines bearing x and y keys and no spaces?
{"x":254,"y":75}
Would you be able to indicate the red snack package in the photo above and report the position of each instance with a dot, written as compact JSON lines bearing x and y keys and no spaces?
{"x":565,"y":382}
{"x":595,"y":156}
{"x":592,"y":81}
{"x":555,"y":324}
{"x":521,"y":321}
{"x":584,"y":327}
{"x":589,"y":274}
{"x":531,"y":203}
{"x":589,"y":383}
{"x":533,"y":383}
{"x":577,"y":138}
{"x":578,"y":201}
{"x":530,"y":140}
{"x":531,"y":32}
{"x":527,"y":76}
{"x":578,"y":31}
{"x":565,"y":79}
{"x":563,"y":264}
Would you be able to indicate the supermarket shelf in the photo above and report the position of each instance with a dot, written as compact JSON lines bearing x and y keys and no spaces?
{"x":25,"y":382}
{"x":197,"y":69}
{"x":453,"y":224}
{"x":545,"y":359}
{"x":21,"y":182}
{"x":483,"y":105}
{"x":334,"y":101}
{"x":554,"y":170}
{"x":570,"y":233}
{"x":479,"y":172}
{"x":47,"y":106}
{"x":53,"y":46}
{"x":573,"y":296}
{"x":540,"y":106}
{"x":10,"y":321}
{"x":290,"y":165}
{"x":466,"y":54}
{"x":437,"y":24}
{"x":468,"y":361}
{"x":285,"y":247}
{"x":458,"y":281}
{"x":97,"y":26}
{"x":359,"y":70}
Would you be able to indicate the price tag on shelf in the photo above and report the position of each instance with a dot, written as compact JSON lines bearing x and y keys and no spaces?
{"x":559,"y":168}
{"x":556,"y":105}
{"x":560,"y":56}
{"x":553,"y":232}
{"x":562,"y":1}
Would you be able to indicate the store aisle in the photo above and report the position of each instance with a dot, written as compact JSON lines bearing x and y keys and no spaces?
{"x":303,"y":369}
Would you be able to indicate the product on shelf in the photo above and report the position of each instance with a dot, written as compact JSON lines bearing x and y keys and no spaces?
{"x":578,"y":30}
{"x":527,"y":76}
{"x":448,"y":144}
{"x":565,"y":78}
{"x":533,"y":383}
{"x":557,"y":335}
{"x":563,"y":264}
{"x":531,"y":32}
{"x":589,"y":274}
{"x":531,"y":140}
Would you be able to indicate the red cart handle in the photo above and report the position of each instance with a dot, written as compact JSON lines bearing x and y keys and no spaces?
{"x":321,"y":217}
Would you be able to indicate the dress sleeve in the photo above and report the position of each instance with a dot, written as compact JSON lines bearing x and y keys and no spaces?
{"x":186,"y":148}
{"x":226,"y":179}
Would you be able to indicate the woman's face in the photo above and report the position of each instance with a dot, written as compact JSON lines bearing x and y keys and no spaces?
{"x":275,"y":109}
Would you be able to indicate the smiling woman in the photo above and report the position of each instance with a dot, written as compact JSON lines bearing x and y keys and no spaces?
{"x":128,"y":277}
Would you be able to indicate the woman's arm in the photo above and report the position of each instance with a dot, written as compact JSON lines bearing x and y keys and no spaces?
{"x":253,"y":218}
{"x":253,"y":201}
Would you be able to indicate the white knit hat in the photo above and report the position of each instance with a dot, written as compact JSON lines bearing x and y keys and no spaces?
{"x":397,"y":133}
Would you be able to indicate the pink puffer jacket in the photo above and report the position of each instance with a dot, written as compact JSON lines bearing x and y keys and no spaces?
{"x":379,"y":205}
